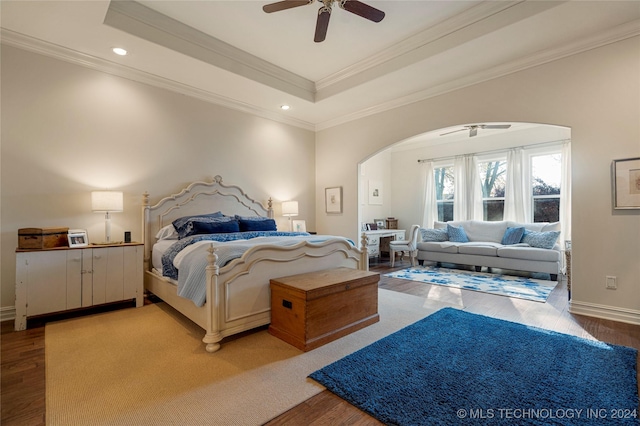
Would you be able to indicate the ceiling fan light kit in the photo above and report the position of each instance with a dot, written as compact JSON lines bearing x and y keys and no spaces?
{"x":324,"y":13}
{"x":473,"y":128}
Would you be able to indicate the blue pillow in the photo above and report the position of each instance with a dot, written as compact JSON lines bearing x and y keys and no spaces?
{"x":457,"y":234}
{"x":545,"y":240}
{"x":181,"y":222}
{"x":434,"y":234}
{"x":512,"y":235}
{"x":209,"y":225}
{"x":256,"y":223}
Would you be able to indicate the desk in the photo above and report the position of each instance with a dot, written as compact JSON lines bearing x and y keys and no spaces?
{"x":379,"y":240}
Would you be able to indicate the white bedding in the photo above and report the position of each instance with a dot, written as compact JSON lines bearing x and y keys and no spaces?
{"x":159,"y":248}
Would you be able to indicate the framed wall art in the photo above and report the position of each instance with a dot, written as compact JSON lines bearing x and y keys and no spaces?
{"x":333,"y":199}
{"x":626,"y":183}
{"x":375,"y":192}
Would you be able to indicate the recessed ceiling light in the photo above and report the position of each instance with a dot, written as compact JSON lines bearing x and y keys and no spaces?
{"x":284,"y":107}
{"x":119,"y":51}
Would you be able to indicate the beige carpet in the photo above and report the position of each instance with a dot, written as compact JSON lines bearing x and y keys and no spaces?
{"x":148,"y":366}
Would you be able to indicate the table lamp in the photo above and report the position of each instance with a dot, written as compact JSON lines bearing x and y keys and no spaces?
{"x":290,"y":208}
{"x":107,"y":202}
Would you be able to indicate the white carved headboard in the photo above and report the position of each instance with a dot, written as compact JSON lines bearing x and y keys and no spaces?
{"x":197,"y":198}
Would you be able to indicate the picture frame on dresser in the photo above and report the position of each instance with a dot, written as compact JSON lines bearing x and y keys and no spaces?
{"x":78,"y":238}
{"x":380,"y":223}
{"x":299,"y":225}
{"x":626,"y":183}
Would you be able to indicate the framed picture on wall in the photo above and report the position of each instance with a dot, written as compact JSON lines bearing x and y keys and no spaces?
{"x":375,"y":192}
{"x":626,"y":183}
{"x":333,"y":199}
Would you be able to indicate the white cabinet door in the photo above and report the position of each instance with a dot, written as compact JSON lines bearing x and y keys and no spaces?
{"x":46,"y":281}
{"x":133,"y":270}
{"x":74,"y":279}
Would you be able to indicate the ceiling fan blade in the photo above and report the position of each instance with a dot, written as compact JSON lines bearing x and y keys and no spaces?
{"x":453,"y":131}
{"x":361,"y":9}
{"x":324,"y":13}
{"x":496,"y":126}
{"x":284,"y":5}
{"x":473,"y":131}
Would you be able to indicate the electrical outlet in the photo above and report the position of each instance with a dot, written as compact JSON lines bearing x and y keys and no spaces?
{"x":611,"y":282}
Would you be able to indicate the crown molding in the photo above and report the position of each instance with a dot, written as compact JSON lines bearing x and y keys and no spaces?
{"x":619,"y":33}
{"x":21,"y":41}
{"x":138,"y":20}
{"x":417,"y":41}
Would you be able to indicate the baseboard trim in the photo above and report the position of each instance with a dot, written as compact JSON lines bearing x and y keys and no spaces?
{"x":630,"y":316}
{"x":7,"y":313}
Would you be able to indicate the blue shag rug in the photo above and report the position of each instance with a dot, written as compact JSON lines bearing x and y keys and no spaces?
{"x":503,"y":285}
{"x":454,"y":367}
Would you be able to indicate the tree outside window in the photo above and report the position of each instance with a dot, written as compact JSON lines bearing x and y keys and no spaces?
{"x":443,"y":177}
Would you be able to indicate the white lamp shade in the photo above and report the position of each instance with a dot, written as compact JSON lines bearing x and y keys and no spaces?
{"x":290,"y":208}
{"x":106,"y":201}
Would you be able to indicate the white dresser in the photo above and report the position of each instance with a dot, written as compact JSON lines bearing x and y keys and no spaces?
{"x":379,"y":240}
{"x":61,"y":279}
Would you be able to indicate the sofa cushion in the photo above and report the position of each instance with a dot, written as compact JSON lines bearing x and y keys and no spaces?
{"x":545,"y":240}
{"x":536,"y":226}
{"x":480,"y":249}
{"x":478,"y":230}
{"x":457,"y":234}
{"x":440,"y":247}
{"x":529,"y":253}
{"x":512,"y":235}
{"x":434,"y":234}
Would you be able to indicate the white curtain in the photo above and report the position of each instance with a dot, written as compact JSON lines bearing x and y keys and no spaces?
{"x":565,"y":194}
{"x":516,"y":191}
{"x":430,"y":210}
{"x":467,"y":201}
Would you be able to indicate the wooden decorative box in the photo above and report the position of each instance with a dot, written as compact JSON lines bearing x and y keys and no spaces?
{"x":42,"y":238}
{"x":312,"y":309}
{"x":392,"y":223}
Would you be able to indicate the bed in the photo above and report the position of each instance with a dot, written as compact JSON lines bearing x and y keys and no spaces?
{"x":234,"y":287}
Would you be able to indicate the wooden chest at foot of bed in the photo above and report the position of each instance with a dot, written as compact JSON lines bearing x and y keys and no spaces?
{"x":312,"y":309}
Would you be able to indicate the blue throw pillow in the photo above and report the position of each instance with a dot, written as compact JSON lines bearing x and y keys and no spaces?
{"x":457,"y":234}
{"x":545,"y":240}
{"x":512,"y":236}
{"x":181,"y":222}
{"x":434,"y":234}
{"x":209,"y":225}
{"x":256,"y":223}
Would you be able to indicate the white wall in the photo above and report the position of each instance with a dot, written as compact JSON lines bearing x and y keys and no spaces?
{"x":595,"y":93}
{"x":68,"y":130}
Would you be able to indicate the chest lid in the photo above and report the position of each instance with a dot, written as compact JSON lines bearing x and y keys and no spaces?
{"x":313,"y":285}
{"x":42,"y":231}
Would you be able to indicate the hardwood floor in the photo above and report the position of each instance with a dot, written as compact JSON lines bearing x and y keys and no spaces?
{"x":22,"y":393}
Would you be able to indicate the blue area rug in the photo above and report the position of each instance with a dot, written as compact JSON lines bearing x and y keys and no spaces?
{"x":503,"y":285}
{"x":454,"y":367}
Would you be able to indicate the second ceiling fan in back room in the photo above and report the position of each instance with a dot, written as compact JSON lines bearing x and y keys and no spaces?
{"x":473,"y":128}
{"x":324,"y":13}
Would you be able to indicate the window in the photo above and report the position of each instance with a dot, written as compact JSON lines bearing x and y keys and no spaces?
{"x":546,"y":176}
{"x":493,"y":175}
{"x":443,"y":177}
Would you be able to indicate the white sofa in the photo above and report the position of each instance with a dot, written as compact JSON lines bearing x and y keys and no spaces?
{"x":485,"y":246}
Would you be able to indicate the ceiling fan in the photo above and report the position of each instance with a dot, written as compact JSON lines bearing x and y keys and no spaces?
{"x":473,"y":128}
{"x":324,"y":13}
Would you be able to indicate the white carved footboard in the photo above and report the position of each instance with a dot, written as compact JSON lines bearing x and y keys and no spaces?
{"x":238,"y":294}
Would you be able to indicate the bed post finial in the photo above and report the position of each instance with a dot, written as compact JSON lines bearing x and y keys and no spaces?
{"x":217,"y":179}
{"x":270,"y":208}
{"x":145,"y":198}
